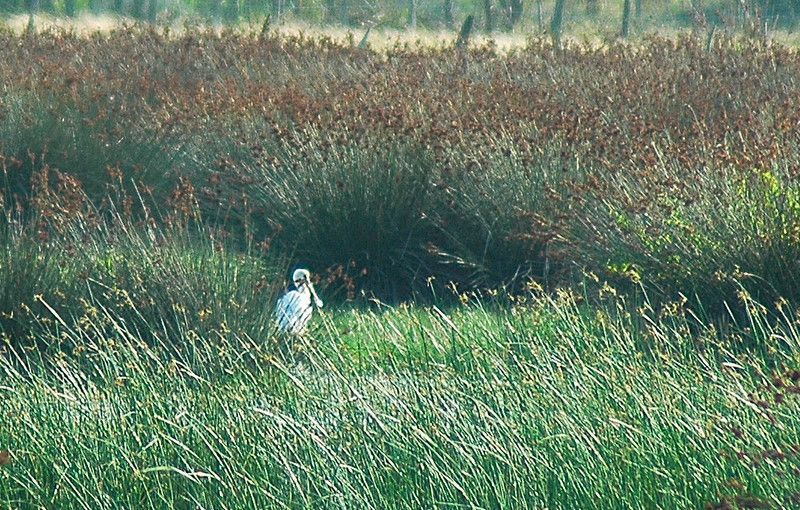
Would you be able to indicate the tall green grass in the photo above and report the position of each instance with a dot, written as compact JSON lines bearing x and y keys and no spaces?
{"x":166,"y":285}
{"x":544,"y":404}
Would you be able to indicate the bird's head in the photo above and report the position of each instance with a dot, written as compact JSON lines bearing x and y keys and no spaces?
{"x":301,"y":277}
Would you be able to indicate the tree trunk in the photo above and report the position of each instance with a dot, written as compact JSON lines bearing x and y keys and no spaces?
{"x":592,"y":7}
{"x":555,"y":23}
{"x":698,"y":16}
{"x":33,"y":8}
{"x":330,"y":11}
{"x":232,"y":11}
{"x":516,"y":12}
{"x":505,"y":14}
{"x":277,"y":10}
{"x":119,"y":7}
{"x":466,"y":30}
{"x":488,"y":10}
{"x":216,"y":9}
{"x":638,"y":9}
{"x":69,"y":8}
{"x":539,"y":16}
{"x":138,"y":9}
{"x":412,"y":14}
{"x":152,"y":11}
{"x":448,"y":14}
{"x":626,"y":18}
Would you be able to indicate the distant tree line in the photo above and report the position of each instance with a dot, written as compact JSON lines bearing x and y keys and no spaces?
{"x":499,"y":14}
{"x":489,"y":15}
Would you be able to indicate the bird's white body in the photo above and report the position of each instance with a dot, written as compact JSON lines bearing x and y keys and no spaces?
{"x":293,"y":311}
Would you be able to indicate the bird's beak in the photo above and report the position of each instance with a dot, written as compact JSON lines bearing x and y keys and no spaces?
{"x":317,"y":300}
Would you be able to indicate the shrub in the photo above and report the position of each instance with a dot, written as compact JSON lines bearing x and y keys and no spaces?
{"x":501,"y":215}
{"x":360,"y":208}
{"x":82,"y":140}
{"x":705,"y":234}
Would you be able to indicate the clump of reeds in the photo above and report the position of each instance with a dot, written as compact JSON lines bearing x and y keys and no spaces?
{"x":495,"y":163}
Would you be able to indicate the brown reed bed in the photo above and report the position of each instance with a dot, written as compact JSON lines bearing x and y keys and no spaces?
{"x":658,"y":158}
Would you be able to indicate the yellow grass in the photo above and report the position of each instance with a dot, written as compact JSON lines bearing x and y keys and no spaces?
{"x":84,"y":24}
{"x":596,"y":32}
{"x":379,"y":39}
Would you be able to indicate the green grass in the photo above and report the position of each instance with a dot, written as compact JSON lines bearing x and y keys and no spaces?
{"x":544,"y":404}
{"x":143,"y":250}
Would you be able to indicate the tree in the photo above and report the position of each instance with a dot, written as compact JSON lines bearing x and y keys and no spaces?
{"x":539,"y":16}
{"x":277,"y":10}
{"x":516,"y":12}
{"x":138,"y":9}
{"x":232,"y":10}
{"x":488,"y":10}
{"x":555,"y":23}
{"x":330,"y":11}
{"x":466,"y":30}
{"x":626,"y":18}
{"x":33,"y":8}
{"x":447,"y":9}
{"x":412,"y":14}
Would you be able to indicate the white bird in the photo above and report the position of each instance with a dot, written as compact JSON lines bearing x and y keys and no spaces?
{"x":293,"y":310}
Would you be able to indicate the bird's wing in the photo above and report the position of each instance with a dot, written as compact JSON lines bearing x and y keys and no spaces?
{"x":280,"y":306}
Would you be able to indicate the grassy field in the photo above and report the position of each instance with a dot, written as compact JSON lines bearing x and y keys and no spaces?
{"x":538,"y":404}
{"x":556,"y":277}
